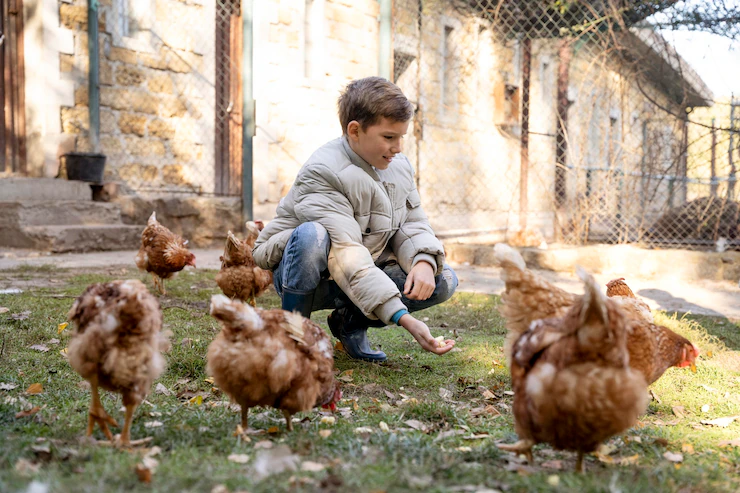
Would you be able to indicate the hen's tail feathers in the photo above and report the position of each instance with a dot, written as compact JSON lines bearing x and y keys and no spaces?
{"x":294,"y":327}
{"x":508,"y":257}
{"x":152,"y":219}
{"x":235,"y":313}
{"x":594,"y":302}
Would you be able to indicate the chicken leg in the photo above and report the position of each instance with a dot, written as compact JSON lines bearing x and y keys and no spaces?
{"x":579,"y":463}
{"x":126,"y":432}
{"x":245,"y":416}
{"x":97,"y":413}
{"x":521,"y":447}
{"x":288,"y":420}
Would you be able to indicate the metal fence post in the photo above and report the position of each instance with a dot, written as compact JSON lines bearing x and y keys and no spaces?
{"x":248,"y":107}
{"x":93,"y":75}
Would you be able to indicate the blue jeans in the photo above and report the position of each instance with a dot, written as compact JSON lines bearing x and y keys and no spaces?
{"x":304,"y":269}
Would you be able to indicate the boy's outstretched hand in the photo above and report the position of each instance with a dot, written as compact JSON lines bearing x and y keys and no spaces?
{"x":420,"y":282}
{"x":421,"y":333}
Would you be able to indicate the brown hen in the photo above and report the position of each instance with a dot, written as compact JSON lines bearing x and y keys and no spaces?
{"x":573,"y":385}
{"x":529,"y":297}
{"x":618,"y":289}
{"x":239,"y":276}
{"x":116,"y":346}
{"x":271,"y":358}
{"x":162,"y":253}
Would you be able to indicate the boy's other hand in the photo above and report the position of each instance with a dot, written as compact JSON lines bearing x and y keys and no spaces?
{"x":420,"y":282}
{"x":421,"y":333}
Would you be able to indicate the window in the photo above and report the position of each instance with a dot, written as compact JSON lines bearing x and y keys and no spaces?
{"x":133,"y":23}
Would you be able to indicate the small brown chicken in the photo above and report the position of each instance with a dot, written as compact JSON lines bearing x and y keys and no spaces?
{"x":117,"y":345}
{"x":162,"y":253}
{"x":618,"y":289}
{"x":271,"y":358}
{"x":529,"y":297}
{"x":239,"y":276}
{"x":573,"y":385}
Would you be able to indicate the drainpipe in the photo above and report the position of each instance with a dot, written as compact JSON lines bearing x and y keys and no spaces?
{"x":248,"y":109}
{"x":93,"y":92}
{"x":385,"y":44}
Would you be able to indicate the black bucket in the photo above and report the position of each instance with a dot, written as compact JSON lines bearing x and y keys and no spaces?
{"x":85,"y":166}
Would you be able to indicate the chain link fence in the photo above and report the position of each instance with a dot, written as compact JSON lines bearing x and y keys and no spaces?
{"x":170,"y":106}
{"x":574,"y":119}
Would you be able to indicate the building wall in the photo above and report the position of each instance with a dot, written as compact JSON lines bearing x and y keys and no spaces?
{"x":45,"y":40}
{"x":306,"y":51}
{"x":156,"y":90}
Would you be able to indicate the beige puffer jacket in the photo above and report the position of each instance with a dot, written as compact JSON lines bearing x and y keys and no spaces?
{"x":365,"y":212}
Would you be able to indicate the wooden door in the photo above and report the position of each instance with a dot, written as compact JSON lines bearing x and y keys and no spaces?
{"x":13,"y":131}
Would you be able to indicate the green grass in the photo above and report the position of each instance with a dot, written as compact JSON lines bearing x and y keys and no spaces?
{"x":196,"y":440}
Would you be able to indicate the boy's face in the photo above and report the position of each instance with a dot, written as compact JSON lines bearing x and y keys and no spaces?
{"x":378,"y":143}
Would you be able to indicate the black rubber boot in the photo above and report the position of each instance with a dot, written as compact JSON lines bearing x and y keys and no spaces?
{"x":301,"y":303}
{"x":351,"y":329}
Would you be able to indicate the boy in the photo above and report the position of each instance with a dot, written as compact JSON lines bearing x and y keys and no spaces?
{"x":351,"y":234}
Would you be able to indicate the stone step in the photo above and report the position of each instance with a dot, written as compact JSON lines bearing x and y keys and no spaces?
{"x":58,"y":213}
{"x":18,"y":188}
{"x":77,"y":238}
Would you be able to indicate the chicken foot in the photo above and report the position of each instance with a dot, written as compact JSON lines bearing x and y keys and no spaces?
{"x":288,"y":420}
{"x":520,"y":447}
{"x":97,"y":414}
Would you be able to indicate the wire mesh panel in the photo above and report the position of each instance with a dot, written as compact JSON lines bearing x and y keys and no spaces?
{"x":564,"y":119}
{"x":170,"y":112}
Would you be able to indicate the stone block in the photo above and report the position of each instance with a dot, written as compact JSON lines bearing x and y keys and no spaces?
{"x":160,"y":128}
{"x":111,"y":145}
{"x":160,"y":83}
{"x":127,"y":75}
{"x":173,"y":174}
{"x":108,"y":123}
{"x":66,"y":63}
{"x":81,"y":97}
{"x":75,"y":120}
{"x":152,"y":61}
{"x":138,"y":173}
{"x":118,"y":54}
{"x":137,"y":146}
{"x":73,"y":16}
{"x":105,"y":76}
{"x":130,"y":123}
{"x":172,"y":106}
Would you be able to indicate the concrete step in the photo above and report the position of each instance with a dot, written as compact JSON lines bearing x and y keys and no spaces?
{"x":58,"y":213}
{"x":15,"y":188}
{"x":77,"y":238}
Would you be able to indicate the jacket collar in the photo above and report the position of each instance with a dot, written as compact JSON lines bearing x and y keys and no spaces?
{"x":357,"y":160}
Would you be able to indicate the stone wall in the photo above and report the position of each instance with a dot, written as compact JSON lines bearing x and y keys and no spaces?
{"x":156,"y":92}
{"x":304,"y":60}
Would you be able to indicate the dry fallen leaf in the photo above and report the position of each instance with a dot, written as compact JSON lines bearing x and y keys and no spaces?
{"x":553,"y":464}
{"x":730,"y":443}
{"x":687,"y":448}
{"x":324,"y":433}
{"x":143,"y":473}
{"x":416,"y":424}
{"x":265,"y":444}
{"x":61,"y":327}
{"x":274,"y":461}
{"x":28,"y":412}
{"x":35,"y":388}
{"x":679,"y":411}
{"x":384,"y":427}
{"x":309,"y":466}
{"x":553,"y":480}
{"x":273,"y":429}
{"x":21,"y":316}
{"x":153,"y":424}
{"x":238,"y":458}
{"x":673,"y":456}
{"x":209,"y":380}
{"x":197,"y":400}
{"x":161,"y":389}
{"x":4,"y":309}
{"x":7,"y":386}
{"x":721,"y":422}
{"x":25,"y":467}
{"x":328,"y":420}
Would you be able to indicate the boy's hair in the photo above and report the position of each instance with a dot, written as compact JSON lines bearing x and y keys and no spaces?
{"x":370,"y":99}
